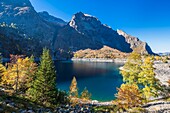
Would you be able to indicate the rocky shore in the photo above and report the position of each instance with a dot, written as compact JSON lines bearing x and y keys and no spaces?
{"x":99,"y":60}
{"x":162,"y":71}
{"x":158,"y":107}
{"x":8,"y":105}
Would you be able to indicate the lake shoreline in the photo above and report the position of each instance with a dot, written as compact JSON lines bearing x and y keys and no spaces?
{"x":117,"y":60}
{"x":99,"y":60}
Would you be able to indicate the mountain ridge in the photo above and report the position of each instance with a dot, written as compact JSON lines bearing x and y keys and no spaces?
{"x":92,"y":34}
{"x":82,"y":32}
{"x":136,"y":44}
{"x":49,"y":18}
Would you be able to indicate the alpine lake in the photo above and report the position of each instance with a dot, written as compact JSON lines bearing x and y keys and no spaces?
{"x":101,"y":79}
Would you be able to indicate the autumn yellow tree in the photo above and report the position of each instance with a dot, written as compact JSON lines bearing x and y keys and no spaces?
{"x":85,"y":94}
{"x":73,"y":88}
{"x":19,"y":74}
{"x":157,"y":58}
{"x":147,"y":79}
{"x":2,"y":70}
{"x":128,"y":96}
{"x":132,"y":68}
{"x":140,"y":71}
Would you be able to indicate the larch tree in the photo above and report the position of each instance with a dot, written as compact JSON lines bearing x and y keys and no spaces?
{"x":43,"y":88}
{"x":147,"y":79}
{"x":2,"y":71}
{"x":140,"y":72}
{"x":19,"y":74}
{"x":132,"y":68}
{"x":73,"y":88}
{"x":85,"y":94}
{"x":128,"y":96}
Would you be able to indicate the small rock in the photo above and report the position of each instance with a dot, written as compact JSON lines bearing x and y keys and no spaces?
{"x":23,"y":111}
{"x":1,"y":109}
{"x":7,"y":101}
{"x":82,"y":109}
{"x":71,"y":111}
{"x":12,"y":105}
{"x":30,"y":108}
{"x":30,"y":111}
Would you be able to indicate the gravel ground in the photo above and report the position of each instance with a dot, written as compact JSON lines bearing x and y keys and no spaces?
{"x":158,"y":107}
{"x":162,"y":72}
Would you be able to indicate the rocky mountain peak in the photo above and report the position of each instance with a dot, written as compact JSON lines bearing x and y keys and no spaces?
{"x":20,"y":6}
{"x":13,"y":8}
{"x":82,"y":32}
{"x":120,"y":32}
{"x":51,"y":19}
{"x":27,"y":20}
{"x":16,"y":2}
{"x":45,"y":13}
{"x":135,"y":43}
{"x":86,"y":31}
{"x":81,"y":22}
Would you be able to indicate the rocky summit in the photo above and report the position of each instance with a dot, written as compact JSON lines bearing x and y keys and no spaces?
{"x":28,"y":25}
{"x":136,"y":44}
{"x":85,"y":31}
{"x":82,"y":32}
{"x":51,"y":19}
{"x":22,"y":13}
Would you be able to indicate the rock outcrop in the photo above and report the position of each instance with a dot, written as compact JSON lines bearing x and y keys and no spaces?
{"x":85,"y":31}
{"x":29,"y":25}
{"x":82,"y":32}
{"x":51,"y":19}
{"x":13,"y":41}
{"x":136,"y":44}
{"x":162,"y":71}
{"x":22,"y":13}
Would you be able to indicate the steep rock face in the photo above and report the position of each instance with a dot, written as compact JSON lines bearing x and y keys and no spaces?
{"x":85,"y":31}
{"x":82,"y":32}
{"x":22,"y":13}
{"x":136,"y":44}
{"x":51,"y":19}
{"x":13,"y":41}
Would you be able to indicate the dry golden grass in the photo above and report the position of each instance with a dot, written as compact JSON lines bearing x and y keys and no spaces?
{"x":105,"y":52}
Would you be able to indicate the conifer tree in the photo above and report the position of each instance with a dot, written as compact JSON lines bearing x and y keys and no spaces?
{"x":19,"y":74}
{"x":43,"y":89}
{"x":73,"y":88}
{"x":147,"y":78}
{"x":2,"y":70}
{"x":85,"y":94}
{"x":128,"y":97}
{"x":140,"y":72}
{"x":132,"y":68}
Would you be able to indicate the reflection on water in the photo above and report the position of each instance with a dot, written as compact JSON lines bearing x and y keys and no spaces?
{"x":101,"y":79}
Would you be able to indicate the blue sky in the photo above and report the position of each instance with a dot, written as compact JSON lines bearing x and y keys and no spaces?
{"x":147,"y":19}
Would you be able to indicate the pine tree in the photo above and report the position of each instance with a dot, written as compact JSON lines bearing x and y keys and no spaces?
{"x":85,"y":94}
{"x":73,"y":88}
{"x":43,"y":89}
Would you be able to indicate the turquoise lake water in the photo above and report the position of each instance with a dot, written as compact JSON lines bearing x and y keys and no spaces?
{"x":101,"y":79}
